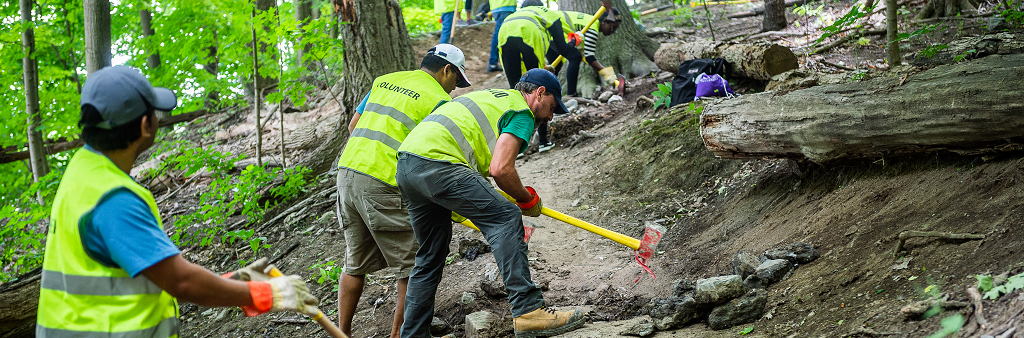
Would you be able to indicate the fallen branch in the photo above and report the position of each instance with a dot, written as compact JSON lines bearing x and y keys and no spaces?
{"x":295,"y":207}
{"x":904,"y":236}
{"x":976,"y":301}
{"x":918,"y":309}
{"x":773,"y":34}
{"x":848,"y":38}
{"x":836,"y":65}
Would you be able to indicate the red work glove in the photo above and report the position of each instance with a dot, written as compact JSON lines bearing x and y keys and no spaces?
{"x":532,"y":207}
{"x":574,"y":39}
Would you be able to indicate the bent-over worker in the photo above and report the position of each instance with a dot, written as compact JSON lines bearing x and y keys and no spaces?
{"x":109,"y":269}
{"x":525,"y":36}
{"x":372,"y":213}
{"x":442,"y":168}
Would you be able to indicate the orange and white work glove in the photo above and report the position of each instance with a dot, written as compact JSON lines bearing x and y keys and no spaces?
{"x":607,"y":76}
{"x":251,"y":272}
{"x":573,"y":39}
{"x":285,"y":293}
{"x":533,"y":206}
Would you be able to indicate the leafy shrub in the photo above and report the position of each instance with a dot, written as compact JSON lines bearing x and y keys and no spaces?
{"x":420,"y":20}
{"x":24,"y":226}
{"x":663,"y":95}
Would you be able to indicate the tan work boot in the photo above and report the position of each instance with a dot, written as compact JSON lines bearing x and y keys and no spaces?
{"x":546,"y":322}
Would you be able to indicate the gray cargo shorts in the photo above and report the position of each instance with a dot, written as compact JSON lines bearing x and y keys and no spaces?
{"x":375,"y":221}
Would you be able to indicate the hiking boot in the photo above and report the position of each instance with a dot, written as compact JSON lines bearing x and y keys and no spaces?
{"x":545,"y":147}
{"x":546,"y":322}
{"x":494,"y":68}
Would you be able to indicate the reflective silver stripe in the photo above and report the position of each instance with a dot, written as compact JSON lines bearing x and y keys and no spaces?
{"x":481,"y":119}
{"x":530,"y":18}
{"x":166,"y":328}
{"x":467,"y":149}
{"x":392,"y":113}
{"x":377,"y":136}
{"x":97,"y":285}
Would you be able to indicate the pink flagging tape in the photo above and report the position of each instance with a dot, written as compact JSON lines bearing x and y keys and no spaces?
{"x":528,"y":227}
{"x":652,"y":235}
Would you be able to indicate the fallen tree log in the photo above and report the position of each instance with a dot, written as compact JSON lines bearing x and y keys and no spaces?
{"x":759,"y":60}
{"x":970,"y":48}
{"x":20,"y":300}
{"x":760,"y":11}
{"x":968,"y":108}
{"x":56,"y":146}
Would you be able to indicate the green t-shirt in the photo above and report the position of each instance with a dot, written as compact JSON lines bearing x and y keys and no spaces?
{"x":520,"y":124}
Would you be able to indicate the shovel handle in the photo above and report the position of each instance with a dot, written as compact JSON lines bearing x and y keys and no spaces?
{"x":325,"y":323}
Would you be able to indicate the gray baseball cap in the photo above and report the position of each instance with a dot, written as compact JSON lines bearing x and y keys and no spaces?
{"x":122,"y":94}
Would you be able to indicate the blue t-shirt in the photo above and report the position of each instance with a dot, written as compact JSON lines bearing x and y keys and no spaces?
{"x":362,"y":105}
{"x":122,"y":232}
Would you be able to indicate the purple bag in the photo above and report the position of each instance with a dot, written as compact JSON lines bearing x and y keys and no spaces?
{"x":712,"y":85}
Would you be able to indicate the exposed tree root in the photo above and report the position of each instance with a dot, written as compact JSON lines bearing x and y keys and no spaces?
{"x":904,"y":236}
{"x":940,"y":8}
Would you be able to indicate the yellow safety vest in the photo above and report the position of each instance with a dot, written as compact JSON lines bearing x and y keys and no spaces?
{"x":79,"y":296}
{"x":445,"y":6}
{"x":465,"y":130}
{"x":531,"y":24}
{"x":397,"y":103}
{"x":495,"y":4}
{"x":575,"y":21}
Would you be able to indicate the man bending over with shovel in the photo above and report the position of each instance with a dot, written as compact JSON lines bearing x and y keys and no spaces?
{"x":442,"y":168}
{"x":109,"y":269}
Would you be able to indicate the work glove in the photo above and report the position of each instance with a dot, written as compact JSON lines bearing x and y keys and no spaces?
{"x":285,"y":293}
{"x":573,"y":39}
{"x":607,"y":76}
{"x":532,"y":207}
{"x":251,"y":272}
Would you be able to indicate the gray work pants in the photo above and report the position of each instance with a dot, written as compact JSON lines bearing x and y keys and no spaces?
{"x":433,"y":189}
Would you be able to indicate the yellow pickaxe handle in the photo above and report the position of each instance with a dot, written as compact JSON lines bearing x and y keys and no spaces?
{"x":695,"y":4}
{"x":325,"y":323}
{"x":630,"y":242}
{"x":584,"y":31}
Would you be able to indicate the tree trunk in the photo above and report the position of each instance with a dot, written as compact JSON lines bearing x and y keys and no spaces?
{"x":758,"y":60}
{"x":970,"y":48}
{"x":97,"y":34}
{"x":892,"y":46}
{"x":268,"y":52}
{"x":760,"y":11}
{"x":146,"y":18}
{"x":774,"y":15}
{"x":303,"y":11}
{"x":629,"y":50}
{"x":20,"y":301}
{"x":30,"y":67}
{"x":945,"y":8}
{"x":968,"y":108}
{"x":72,"y":65}
{"x":376,"y":43}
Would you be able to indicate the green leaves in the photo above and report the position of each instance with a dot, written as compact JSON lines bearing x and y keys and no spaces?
{"x":1012,"y":284}
{"x":851,"y":17}
{"x":662,"y":96}
{"x":950,"y":325}
{"x":746,"y":331}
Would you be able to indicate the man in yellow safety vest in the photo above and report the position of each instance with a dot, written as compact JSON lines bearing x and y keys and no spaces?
{"x":109,"y":269}
{"x":525,"y":36}
{"x":442,"y":168}
{"x":372,"y":213}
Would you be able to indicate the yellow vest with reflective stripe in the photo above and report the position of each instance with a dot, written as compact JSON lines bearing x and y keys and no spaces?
{"x":79,"y":296}
{"x":465,"y":130}
{"x":495,"y":4}
{"x":530,"y":24}
{"x":445,"y":6}
{"x":575,"y":21}
{"x":397,"y":103}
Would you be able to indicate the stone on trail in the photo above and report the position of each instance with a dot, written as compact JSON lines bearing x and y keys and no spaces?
{"x":605,"y":96}
{"x":478,"y":321}
{"x":468,"y":297}
{"x":614,"y":98}
{"x":493,"y":289}
{"x":717,"y":290}
{"x":439,"y":327}
{"x":799,"y":252}
{"x":643,"y":328}
{"x":746,"y":309}
{"x":772,"y":271}
{"x":683,"y":287}
{"x":673,"y":312}
{"x":744,"y":263}
{"x":752,"y":282}
{"x":471,"y":248}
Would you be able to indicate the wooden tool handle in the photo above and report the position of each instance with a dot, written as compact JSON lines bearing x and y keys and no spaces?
{"x":320,"y":318}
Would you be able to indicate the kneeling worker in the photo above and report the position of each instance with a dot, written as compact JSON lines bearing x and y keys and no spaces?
{"x":371,"y":211}
{"x":442,"y":168}
{"x":109,"y":268}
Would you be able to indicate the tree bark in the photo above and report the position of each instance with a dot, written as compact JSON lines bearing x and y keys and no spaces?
{"x":945,"y":8}
{"x":303,"y":11}
{"x":20,"y":301}
{"x":376,"y":43}
{"x":972,"y":47}
{"x":968,"y":108}
{"x":892,"y":46}
{"x":97,"y":34}
{"x":758,"y":60}
{"x":30,"y":68}
{"x":774,"y":15}
{"x":146,"y":19}
{"x":629,"y":51}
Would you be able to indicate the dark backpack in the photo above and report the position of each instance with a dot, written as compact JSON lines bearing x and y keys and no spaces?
{"x":684,"y":86}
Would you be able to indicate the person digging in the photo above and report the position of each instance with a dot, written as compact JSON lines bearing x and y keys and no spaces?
{"x":526,"y":35}
{"x":108,"y":268}
{"x":372,"y":213}
{"x":442,"y":169}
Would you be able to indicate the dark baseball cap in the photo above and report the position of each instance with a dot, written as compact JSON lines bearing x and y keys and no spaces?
{"x":122,"y":94}
{"x":549,"y":81}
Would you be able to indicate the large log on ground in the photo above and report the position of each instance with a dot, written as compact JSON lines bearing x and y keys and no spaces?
{"x":971,"y":47}
{"x":18,"y":303}
{"x":968,"y":108}
{"x":759,"y":60}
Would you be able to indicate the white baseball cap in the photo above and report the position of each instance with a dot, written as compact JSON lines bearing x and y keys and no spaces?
{"x":454,"y":56}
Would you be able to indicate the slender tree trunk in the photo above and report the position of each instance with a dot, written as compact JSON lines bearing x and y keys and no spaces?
{"x":892,"y":47}
{"x":303,"y":9}
{"x":73,"y":66}
{"x":376,"y":43}
{"x":211,"y":65}
{"x":269,"y":51}
{"x":774,"y":15}
{"x":97,"y":34}
{"x":257,"y":92}
{"x":153,"y":61}
{"x":30,"y":66}
{"x":629,"y":51}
